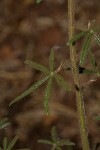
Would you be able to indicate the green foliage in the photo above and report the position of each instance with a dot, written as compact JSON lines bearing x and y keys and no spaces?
{"x":12,"y":143}
{"x":51,"y":73}
{"x":37,"y":66}
{"x":38,"y":1}
{"x":27,"y":92}
{"x":9,"y":146}
{"x":4,"y":123}
{"x":97,"y":118}
{"x":54,"y":134}
{"x":92,"y":59}
{"x":90,"y":33}
{"x":56,"y":143}
{"x":60,"y":80}
{"x":85,"y":48}
{"x":77,"y":37}
{"x":51,"y":60}
{"x":81,"y":70}
{"x":97,"y":30}
{"x":5,"y":143}
{"x":47,"y":96}
{"x":96,"y":38}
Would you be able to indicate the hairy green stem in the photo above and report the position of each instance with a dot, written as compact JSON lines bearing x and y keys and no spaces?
{"x":75,"y":72}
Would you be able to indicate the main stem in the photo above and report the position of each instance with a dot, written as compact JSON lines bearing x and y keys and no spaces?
{"x":75,"y":72}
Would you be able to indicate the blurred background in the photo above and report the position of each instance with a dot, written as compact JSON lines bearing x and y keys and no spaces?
{"x":29,"y":31}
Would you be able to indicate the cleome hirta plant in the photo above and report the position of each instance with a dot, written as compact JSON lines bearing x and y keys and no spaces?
{"x":9,"y":146}
{"x":56,"y":143}
{"x":51,"y":74}
{"x":6,"y":144}
{"x":76,"y":67}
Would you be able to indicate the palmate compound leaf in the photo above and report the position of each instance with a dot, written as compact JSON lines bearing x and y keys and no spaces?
{"x":12,"y":143}
{"x":85,"y":48}
{"x":51,"y":60}
{"x":56,"y":143}
{"x":96,"y":38}
{"x":77,"y":37}
{"x":60,"y":80}
{"x":4,"y":123}
{"x":37,"y":66}
{"x":47,"y":96}
{"x":28,"y":91}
